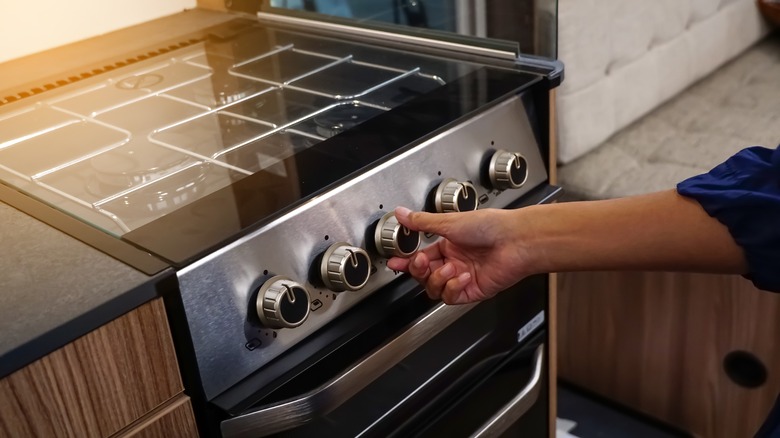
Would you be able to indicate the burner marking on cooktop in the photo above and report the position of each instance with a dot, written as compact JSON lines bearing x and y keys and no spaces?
{"x":140,"y":81}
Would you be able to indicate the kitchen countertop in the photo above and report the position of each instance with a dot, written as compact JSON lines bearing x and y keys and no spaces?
{"x":54,"y":289}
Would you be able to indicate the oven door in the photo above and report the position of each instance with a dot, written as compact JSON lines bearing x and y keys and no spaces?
{"x":467,"y":370}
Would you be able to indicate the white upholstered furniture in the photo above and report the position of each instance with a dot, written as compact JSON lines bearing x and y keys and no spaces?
{"x":625,"y":57}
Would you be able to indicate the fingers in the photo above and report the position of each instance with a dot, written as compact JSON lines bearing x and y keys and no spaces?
{"x":438,"y":279}
{"x":455,"y":290}
{"x":443,"y":277}
{"x":444,"y":281}
{"x":399,"y":264}
{"x":438,"y":223}
{"x":421,"y":267}
{"x":433,"y":276}
{"x":448,"y":283}
{"x":418,"y":265}
{"x":432,"y":254}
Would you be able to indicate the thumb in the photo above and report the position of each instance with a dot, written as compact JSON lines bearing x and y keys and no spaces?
{"x":438,"y":223}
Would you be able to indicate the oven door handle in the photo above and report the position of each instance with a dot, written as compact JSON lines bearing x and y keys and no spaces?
{"x":287,"y":414}
{"x":519,"y":405}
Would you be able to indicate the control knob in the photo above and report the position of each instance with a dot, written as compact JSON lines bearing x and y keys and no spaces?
{"x":282,"y":303}
{"x":454,"y":196}
{"x":393,"y":239}
{"x":507,"y":170}
{"x":345,"y":267}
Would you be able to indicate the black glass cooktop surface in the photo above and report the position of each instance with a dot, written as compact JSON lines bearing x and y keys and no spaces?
{"x":179,"y":154}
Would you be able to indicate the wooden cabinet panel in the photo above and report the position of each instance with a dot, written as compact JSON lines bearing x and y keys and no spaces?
{"x":175,"y":420}
{"x":96,"y":385}
{"x":656,"y":342}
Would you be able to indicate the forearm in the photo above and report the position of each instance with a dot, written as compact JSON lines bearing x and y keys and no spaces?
{"x":660,"y":231}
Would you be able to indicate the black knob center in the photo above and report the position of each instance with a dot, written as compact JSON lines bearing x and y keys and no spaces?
{"x":518,"y":171}
{"x":357,"y":269}
{"x":294,"y":305}
{"x":467,"y":198}
{"x":407,"y":240}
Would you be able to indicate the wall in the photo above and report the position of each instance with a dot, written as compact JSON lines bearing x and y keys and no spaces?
{"x":30,"y":27}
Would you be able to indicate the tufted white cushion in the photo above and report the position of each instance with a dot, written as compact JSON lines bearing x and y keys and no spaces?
{"x":625,"y":57}
{"x":736,"y":106}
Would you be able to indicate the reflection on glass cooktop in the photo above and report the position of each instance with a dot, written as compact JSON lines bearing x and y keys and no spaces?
{"x":122,"y":149}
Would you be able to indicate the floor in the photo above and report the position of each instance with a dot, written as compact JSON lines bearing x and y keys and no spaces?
{"x":595,"y":418}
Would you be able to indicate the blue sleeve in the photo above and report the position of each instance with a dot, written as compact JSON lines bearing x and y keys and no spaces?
{"x":743,"y":193}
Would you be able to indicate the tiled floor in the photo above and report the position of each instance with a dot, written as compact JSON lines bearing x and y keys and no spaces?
{"x":595,"y":418}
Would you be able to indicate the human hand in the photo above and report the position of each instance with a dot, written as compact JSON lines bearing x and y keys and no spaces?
{"x":479,"y":254}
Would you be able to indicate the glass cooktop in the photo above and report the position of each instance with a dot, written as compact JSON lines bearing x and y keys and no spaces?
{"x":253,"y":113}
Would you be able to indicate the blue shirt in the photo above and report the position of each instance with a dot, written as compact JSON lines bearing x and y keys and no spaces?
{"x":743,"y":193}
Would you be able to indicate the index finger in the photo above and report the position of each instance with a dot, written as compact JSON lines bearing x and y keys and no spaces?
{"x":436,"y":223}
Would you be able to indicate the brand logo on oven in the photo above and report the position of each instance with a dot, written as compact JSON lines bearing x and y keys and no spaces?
{"x":532,"y":325}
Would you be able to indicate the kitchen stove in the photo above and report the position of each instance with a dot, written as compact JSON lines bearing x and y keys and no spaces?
{"x":263,"y":163}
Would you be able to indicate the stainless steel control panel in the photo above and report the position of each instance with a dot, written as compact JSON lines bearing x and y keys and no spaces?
{"x":220,"y":292}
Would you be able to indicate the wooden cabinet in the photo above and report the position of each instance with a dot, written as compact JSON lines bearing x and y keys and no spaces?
{"x":656,"y":342}
{"x":173,"y":420}
{"x":100,"y":384}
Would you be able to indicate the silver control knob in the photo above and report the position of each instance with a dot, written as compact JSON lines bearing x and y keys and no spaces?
{"x":507,"y":170}
{"x":345,"y":267}
{"x":282,"y":303}
{"x":394,"y":239}
{"x":453,"y":196}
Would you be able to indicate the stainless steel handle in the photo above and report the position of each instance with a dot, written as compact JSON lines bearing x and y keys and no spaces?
{"x":365,"y":33}
{"x":290,"y":413}
{"x":519,"y":405}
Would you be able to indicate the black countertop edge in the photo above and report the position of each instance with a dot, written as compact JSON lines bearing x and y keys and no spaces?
{"x":110,"y":245}
{"x":92,"y":319}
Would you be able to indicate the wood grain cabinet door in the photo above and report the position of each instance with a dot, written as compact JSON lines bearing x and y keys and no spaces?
{"x":96,"y":385}
{"x":658,"y":343}
{"x":174,"y":420}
